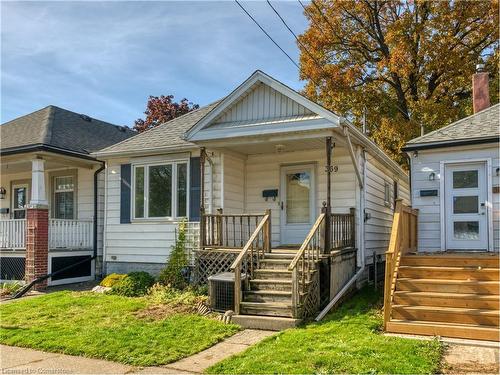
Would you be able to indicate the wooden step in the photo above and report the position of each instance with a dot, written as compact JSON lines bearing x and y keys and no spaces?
{"x":271,"y":284}
{"x":446,"y":314}
{"x":451,"y":273}
{"x":279,"y":263}
{"x":452,"y":260}
{"x":469,"y":300}
{"x":266,"y":309}
{"x":288,"y":256}
{"x":448,"y":286}
{"x":273,"y":274}
{"x":267,"y":296}
{"x":465,"y":331}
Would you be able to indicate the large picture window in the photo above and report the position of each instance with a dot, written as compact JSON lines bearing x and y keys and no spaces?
{"x":160,"y":190}
{"x":64,"y":197}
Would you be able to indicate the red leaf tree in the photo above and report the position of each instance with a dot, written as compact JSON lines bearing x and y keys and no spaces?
{"x":161,"y":109}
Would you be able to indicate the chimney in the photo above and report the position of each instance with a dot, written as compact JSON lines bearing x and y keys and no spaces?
{"x":480,"y":89}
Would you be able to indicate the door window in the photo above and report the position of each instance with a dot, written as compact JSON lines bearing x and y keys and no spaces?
{"x":298,"y":186}
{"x":466,"y":230}
{"x":465,"y":179}
{"x":64,"y":201}
{"x":20,"y":199}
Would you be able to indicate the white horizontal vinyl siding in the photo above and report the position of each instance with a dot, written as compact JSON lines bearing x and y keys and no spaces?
{"x":428,"y":161}
{"x":378,"y":227}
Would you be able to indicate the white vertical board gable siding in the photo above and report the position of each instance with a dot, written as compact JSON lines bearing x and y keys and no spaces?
{"x":262,"y":102}
{"x":378,"y":227}
{"x":428,"y":161}
{"x":263,"y":172}
{"x":147,"y":242}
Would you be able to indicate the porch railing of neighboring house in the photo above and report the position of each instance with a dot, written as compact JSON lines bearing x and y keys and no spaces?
{"x":12,"y":234}
{"x":249,"y":257}
{"x":70,"y":234}
{"x":403,"y":240}
{"x":227,"y":231}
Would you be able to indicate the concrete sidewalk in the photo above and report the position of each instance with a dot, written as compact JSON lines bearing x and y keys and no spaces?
{"x":14,"y":360}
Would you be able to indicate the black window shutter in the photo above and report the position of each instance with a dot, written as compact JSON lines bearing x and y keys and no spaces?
{"x":125,"y":193}
{"x":194,"y":189}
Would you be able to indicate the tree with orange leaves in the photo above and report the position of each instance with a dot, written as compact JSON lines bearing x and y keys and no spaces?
{"x":408,"y":62}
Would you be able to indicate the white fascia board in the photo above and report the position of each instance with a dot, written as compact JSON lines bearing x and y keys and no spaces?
{"x":258,"y":130}
{"x":259,"y":76}
{"x":146,"y":151}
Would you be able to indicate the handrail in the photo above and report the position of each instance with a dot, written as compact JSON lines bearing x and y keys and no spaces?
{"x":403,"y":239}
{"x":306,"y":242}
{"x":309,"y":251}
{"x":264,"y":226}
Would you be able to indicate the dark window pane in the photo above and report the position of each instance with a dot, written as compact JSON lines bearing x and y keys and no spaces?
{"x":63,"y":205}
{"x":466,"y":205}
{"x":160,"y":191}
{"x":465,"y":179}
{"x":466,"y":230}
{"x":19,"y":197}
{"x":139,"y":192}
{"x":181,"y":189}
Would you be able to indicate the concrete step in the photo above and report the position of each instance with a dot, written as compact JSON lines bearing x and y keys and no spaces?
{"x":267,"y":296}
{"x":435,"y":314}
{"x":450,"y":273}
{"x":452,"y":260}
{"x":468,"y":300}
{"x":448,"y":286}
{"x":271,"y":284}
{"x":465,"y":331}
{"x":266,"y":309}
{"x":272,"y":323}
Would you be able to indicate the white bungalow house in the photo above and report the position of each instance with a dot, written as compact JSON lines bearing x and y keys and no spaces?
{"x":445,"y":280}
{"x":50,"y":213}
{"x":289,"y":189}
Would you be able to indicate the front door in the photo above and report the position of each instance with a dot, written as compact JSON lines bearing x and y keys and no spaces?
{"x":19,"y":201}
{"x":297,"y":203}
{"x":465,"y":207}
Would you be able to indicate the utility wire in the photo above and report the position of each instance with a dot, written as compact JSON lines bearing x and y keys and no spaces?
{"x":267,"y":34}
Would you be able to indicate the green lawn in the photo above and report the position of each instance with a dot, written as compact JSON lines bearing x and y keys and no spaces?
{"x":104,"y":326}
{"x":347,"y":341}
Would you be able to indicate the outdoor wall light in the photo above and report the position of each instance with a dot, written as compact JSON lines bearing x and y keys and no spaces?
{"x":432,"y":176}
{"x":415,"y":153}
{"x":3,"y":192}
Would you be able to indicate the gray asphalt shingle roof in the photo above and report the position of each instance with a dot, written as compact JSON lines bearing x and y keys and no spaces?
{"x":170,"y":133}
{"x":484,"y":124}
{"x":58,"y":127}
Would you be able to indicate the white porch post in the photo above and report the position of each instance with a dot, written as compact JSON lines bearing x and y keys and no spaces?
{"x":38,"y":196}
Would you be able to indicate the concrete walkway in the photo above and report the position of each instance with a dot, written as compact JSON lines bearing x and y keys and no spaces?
{"x":14,"y":360}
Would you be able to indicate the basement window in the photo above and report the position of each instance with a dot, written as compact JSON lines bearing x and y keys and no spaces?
{"x":160,"y":191}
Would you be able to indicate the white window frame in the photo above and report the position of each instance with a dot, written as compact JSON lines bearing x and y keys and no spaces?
{"x":65,"y":191}
{"x":174,"y":163}
{"x":387,"y":194}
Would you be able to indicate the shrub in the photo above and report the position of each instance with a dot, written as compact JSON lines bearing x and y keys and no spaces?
{"x":176,"y":271}
{"x":135,"y":284}
{"x":112,"y":279}
{"x":165,"y":294}
{"x":7,"y":289}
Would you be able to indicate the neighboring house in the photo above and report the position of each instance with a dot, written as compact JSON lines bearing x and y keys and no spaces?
{"x":260,"y":159}
{"x":450,"y":287}
{"x":48,"y":188}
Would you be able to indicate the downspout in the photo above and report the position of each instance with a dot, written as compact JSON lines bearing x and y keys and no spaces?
{"x":96,"y":208}
{"x":361,"y":246}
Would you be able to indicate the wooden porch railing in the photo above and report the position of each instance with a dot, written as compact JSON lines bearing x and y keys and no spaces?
{"x":12,"y":234}
{"x":403,"y":240}
{"x":343,"y":230}
{"x":228,"y":231}
{"x":70,"y":234}
{"x":306,"y":257}
{"x":257,"y":245}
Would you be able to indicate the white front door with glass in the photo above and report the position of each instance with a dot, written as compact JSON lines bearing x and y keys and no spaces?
{"x":19,"y":201}
{"x":297,"y":203}
{"x":465,"y":207}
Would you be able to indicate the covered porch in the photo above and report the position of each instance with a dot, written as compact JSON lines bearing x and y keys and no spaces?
{"x":62,"y":188}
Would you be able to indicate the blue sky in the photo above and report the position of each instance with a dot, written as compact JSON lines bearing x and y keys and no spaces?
{"x":105,"y":58}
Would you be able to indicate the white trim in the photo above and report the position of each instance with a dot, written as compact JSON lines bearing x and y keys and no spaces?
{"x":221,"y":158}
{"x":489,"y":202}
{"x":58,"y":254}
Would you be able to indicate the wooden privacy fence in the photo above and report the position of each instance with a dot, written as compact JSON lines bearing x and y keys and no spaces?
{"x":249,"y":258}
{"x":228,"y":231}
{"x":403,"y":240}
